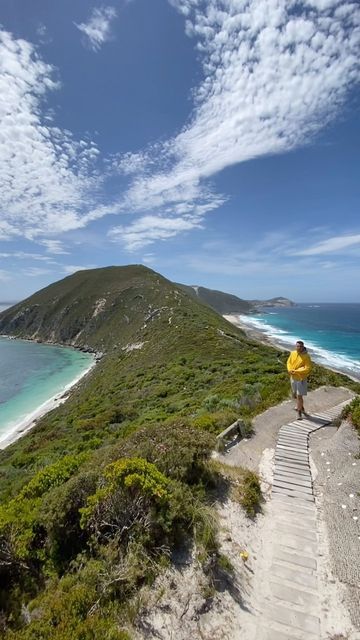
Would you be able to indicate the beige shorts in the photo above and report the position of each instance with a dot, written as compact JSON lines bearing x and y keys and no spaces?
{"x":299,"y":387}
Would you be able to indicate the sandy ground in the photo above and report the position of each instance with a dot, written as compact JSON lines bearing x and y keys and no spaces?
{"x":252,"y":333}
{"x":336,"y":460}
{"x":21,"y":427}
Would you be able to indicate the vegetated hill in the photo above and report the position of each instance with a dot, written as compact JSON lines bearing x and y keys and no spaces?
{"x":95,"y":498}
{"x":273,"y":302}
{"x":96,"y":309}
{"x":221,"y":302}
{"x":227,"y":303}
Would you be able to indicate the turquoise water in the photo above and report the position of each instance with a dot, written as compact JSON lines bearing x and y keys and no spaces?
{"x":331,"y":332}
{"x":31,"y":374}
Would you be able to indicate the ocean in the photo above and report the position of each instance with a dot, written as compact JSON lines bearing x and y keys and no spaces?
{"x":31,"y":375}
{"x":331,"y":332}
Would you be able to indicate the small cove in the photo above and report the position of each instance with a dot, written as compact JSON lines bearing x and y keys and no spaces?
{"x":31,"y":375}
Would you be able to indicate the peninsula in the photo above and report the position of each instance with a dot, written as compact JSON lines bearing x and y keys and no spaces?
{"x":118,"y":485}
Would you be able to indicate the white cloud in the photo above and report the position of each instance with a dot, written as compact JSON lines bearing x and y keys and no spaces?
{"x":336,"y":244}
{"x":43,"y":34}
{"x":54,"y":246}
{"x":72,"y":268}
{"x":149,"y":228}
{"x":274,"y":74}
{"x":46,"y":177}
{"x":97,"y":29}
{"x":35,"y":272}
{"x":24,"y":255}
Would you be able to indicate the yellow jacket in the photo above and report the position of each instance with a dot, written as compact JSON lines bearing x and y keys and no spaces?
{"x":300,"y":363}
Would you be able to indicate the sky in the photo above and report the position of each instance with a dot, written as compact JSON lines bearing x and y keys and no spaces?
{"x":214,"y":141}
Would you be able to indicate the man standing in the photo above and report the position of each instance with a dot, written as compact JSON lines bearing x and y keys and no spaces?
{"x":299,"y":366}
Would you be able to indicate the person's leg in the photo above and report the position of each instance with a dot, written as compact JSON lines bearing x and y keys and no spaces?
{"x":302,"y":392}
{"x":300,"y":403}
{"x":299,"y":406}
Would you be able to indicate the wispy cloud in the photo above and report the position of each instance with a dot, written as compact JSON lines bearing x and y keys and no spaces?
{"x":43,"y":34}
{"x":336,"y":244}
{"x":35,"y":272}
{"x":147,"y":229}
{"x":97,"y":29}
{"x":274,"y":74}
{"x":25,"y":255}
{"x":54,"y":246}
{"x":239,"y":260}
{"x":46,"y":176}
{"x":72,"y":268}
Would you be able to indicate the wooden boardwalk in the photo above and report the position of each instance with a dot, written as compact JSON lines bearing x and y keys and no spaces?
{"x":292,"y":608}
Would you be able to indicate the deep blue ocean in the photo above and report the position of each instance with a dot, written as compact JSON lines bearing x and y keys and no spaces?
{"x":331,"y":332}
{"x":31,"y":374}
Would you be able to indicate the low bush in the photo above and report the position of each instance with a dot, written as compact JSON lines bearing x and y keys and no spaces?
{"x":60,"y":518}
{"x":352,"y":411}
{"x":52,"y":476}
{"x":216,"y":421}
{"x":176,"y":448}
{"x":250,"y":493}
{"x":245,"y":485}
{"x":125,"y":504}
{"x":22,"y":528}
{"x":65,"y":611}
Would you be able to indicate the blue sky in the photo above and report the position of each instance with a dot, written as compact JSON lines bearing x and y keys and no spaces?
{"x":214,"y":141}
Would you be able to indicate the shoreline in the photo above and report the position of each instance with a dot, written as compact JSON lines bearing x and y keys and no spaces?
{"x":26,"y":424}
{"x":254,"y":334}
{"x":263,"y":338}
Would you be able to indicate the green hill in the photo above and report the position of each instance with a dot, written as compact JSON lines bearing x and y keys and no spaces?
{"x":224,"y":303}
{"x":98,"y":309}
{"x":97,"y":496}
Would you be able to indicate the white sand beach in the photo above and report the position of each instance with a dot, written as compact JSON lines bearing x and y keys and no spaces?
{"x":253,"y":333}
{"x":25,"y":424}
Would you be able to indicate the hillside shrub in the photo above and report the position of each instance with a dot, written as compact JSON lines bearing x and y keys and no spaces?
{"x":125,"y":504}
{"x":352,"y":411}
{"x":22,"y":531}
{"x":52,"y":476}
{"x":245,"y":485}
{"x":60,"y":517}
{"x":65,"y":611}
{"x":177,"y":449}
{"x":249,"y":493}
{"x":216,"y":421}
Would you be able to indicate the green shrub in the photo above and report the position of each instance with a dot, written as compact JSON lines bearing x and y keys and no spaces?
{"x":60,"y":517}
{"x":65,"y":611}
{"x":22,"y":531}
{"x":178,"y":450}
{"x":352,"y":411}
{"x":249,"y":493}
{"x":52,"y":476}
{"x":215,"y":422}
{"x":131,"y":491}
